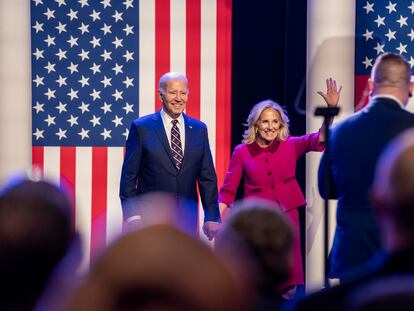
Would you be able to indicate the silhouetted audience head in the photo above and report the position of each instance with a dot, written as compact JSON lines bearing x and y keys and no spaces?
{"x":393,"y":194}
{"x":391,"y":75}
{"x":259,"y":230}
{"x":384,"y":294}
{"x":158,"y":268}
{"x":391,"y":69}
{"x":35,"y":234}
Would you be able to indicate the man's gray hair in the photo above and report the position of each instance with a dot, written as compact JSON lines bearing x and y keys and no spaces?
{"x":170,"y":76}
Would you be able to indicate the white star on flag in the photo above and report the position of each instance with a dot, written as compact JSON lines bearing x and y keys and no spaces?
{"x":73,"y":120}
{"x":38,"y":107}
{"x":95,"y":120}
{"x":106,"y":134}
{"x":50,"y":120}
{"x":61,"y":134}
{"x":38,"y":134}
{"x":106,"y":107}
{"x":95,"y":94}
{"x":117,"y":95}
{"x":84,"y":134}
{"x":117,"y":121}
{"x":61,"y":107}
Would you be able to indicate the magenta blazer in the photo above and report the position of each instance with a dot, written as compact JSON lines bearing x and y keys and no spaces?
{"x":269,"y":173}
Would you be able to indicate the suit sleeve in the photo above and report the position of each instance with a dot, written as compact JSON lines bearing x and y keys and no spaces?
{"x":207,"y":182}
{"x":231,"y":182}
{"x":327,"y":187}
{"x":130,"y":171}
{"x":308,"y":143}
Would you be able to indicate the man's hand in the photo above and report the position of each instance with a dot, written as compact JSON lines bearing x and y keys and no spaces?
{"x":210,"y":229}
{"x":135,"y":223}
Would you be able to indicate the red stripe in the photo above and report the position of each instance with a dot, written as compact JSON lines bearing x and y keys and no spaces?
{"x":223,"y":88}
{"x":68,"y":175}
{"x":99,"y":201}
{"x":162,"y":43}
{"x":38,"y":159}
{"x":193,"y":55}
{"x":361,"y":92}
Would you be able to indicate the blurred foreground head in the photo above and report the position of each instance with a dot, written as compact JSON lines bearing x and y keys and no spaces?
{"x":393,"y":194}
{"x":158,"y":268}
{"x":259,"y":231}
{"x":35,"y":234}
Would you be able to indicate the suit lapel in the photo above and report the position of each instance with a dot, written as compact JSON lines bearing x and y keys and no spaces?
{"x":188,"y":138}
{"x":161,"y":133}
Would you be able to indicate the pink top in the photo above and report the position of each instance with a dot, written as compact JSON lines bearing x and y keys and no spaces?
{"x":269,"y":173}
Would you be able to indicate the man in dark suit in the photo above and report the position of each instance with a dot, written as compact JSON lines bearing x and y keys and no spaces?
{"x":355,"y":146}
{"x":169,"y":151}
{"x":393,"y":200}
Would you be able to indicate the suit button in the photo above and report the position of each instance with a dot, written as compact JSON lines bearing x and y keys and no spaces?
{"x":272,"y":187}
{"x":266,"y":160}
{"x":269,"y":173}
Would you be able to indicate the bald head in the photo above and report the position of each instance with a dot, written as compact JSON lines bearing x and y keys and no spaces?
{"x":391,"y":74}
{"x":391,"y":70}
{"x":393,"y":183}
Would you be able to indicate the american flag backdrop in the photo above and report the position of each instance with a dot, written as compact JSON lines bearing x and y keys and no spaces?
{"x":381,"y":26}
{"x":95,"y":68}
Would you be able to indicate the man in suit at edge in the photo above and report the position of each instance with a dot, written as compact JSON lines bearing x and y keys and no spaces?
{"x":169,"y":151}
{"x":393,"y":199}
{"x":356,"y":144}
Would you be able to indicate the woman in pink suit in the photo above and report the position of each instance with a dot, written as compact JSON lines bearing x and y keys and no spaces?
{"x":267,"y":161}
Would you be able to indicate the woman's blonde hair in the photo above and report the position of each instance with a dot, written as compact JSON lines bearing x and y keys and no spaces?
{"x":250,"y":133}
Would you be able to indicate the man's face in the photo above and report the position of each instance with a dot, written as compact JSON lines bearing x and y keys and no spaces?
{"x":174,"y":98}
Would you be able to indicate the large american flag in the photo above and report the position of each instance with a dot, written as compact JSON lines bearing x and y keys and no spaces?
{"x":95,"y":68}
{"x":381,"y":26}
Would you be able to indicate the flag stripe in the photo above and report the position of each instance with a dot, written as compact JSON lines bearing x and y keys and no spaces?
{"x":114,"y":211}
{"x":83,"y":191}
{"x":178,"y":36}
{"x":51,"y":164}
{"x":162,"y":42}
{"x":361,"y":91}
{"x":208,"y":69}
{"x":68,"y":175}
{"x":38,"y":159}
{"x":99,"y":202}
{"x":223,"y":83}
{"x":193,"y":45}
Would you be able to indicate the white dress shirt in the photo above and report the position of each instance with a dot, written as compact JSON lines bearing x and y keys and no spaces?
{"x":167,"y":121}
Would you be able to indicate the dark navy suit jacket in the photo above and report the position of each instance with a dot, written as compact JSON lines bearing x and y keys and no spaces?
{"x":355,"y":146}
{"x":148,"y":166}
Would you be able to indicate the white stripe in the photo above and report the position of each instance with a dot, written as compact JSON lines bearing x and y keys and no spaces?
{"x":208,"y":70}
{"x":178,"y":36}
{"x":84,"y":200}
{"x":52,"y":164}
{"x":331,"y":32}
{"x":146,"y":57}
{"x":208,"y":81}
{"x":114,"y":210}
